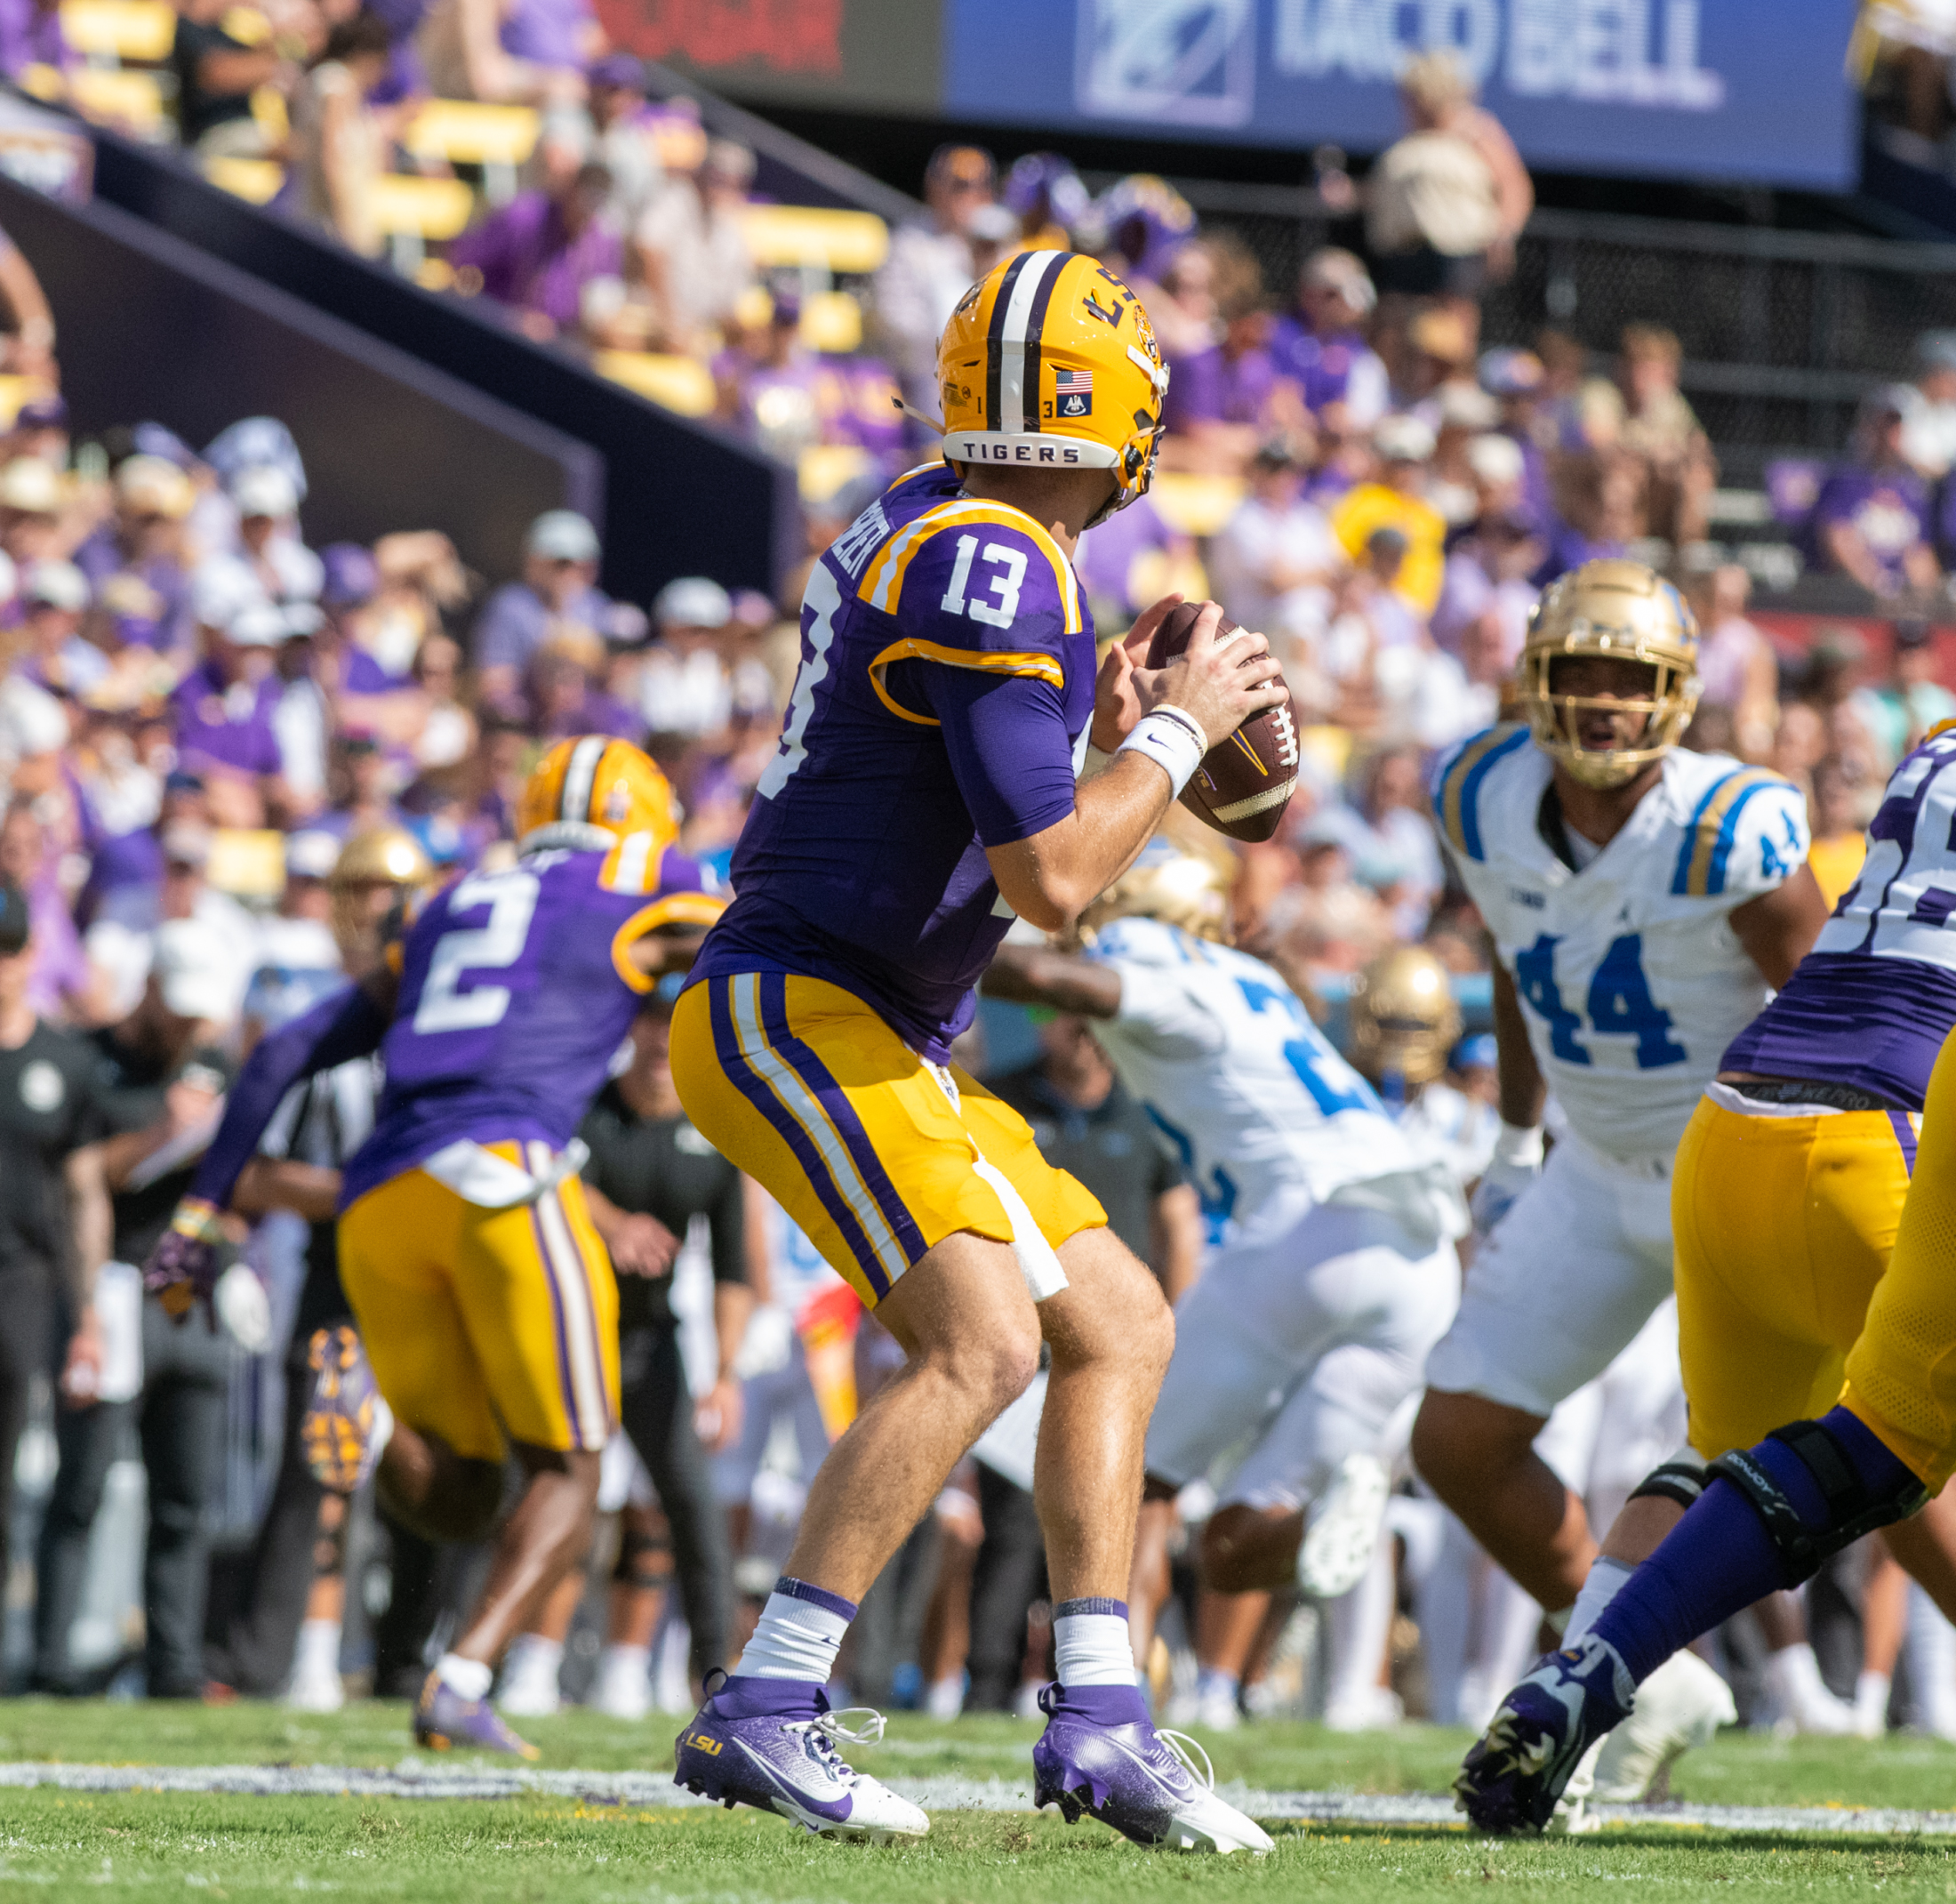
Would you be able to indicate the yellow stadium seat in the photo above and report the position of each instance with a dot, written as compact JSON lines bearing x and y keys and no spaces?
{"x":138,"y":32}
{"x":827,"y":467}
{"x":429,"y":209}
{"x":256,"y":180}
{"x":841,"y":242}
{"x":1197,"y":505}
{"x":832,"y":323}
{"x":681,"y":383}
{"x":467,"y":132}
{"x":16,"y":391}
{"x":249,"y":863}
{"x":133,"y":100}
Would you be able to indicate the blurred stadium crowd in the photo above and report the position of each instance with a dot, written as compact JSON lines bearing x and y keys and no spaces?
{"x":217,"y":742}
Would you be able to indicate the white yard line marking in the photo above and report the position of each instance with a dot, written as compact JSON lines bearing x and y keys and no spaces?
{"x":414,"y":1778}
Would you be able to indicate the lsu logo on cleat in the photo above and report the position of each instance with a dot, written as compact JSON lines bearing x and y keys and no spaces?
{"x":701,"y":1742}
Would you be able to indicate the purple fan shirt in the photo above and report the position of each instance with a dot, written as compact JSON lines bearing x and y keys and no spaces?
{"x":228,"y":725}
{"x":1216,"y":388}
{"x":941,"y":707}
{"x":1890,"y":510}
{"x":1320,"y":366}
{"x":531,"y":261}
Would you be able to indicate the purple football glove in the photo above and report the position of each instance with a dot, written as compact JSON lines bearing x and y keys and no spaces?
{"x":186,"y":1263}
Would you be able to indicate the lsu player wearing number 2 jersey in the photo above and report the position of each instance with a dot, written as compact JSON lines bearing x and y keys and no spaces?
{"x":484,"y":1295}
{"x":923,"y":793}
{"x":1311,"y":1324}
{"x":1642,"y":900}
{"x":1813,"y":1242}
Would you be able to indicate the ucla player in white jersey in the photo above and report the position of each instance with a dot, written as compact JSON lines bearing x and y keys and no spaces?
{"x":1643,"y":900}
{"x":1310,"y":1328}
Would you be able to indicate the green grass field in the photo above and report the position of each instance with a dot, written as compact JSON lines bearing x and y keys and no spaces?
{"x":58,"y":1844}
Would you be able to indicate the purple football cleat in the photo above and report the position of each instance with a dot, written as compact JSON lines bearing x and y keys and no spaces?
{"x":770,"y":1743}
{"x":1100,"y":1755}
{"x":446,"y":1722}
{"x":1514,"y":1773}
{"x":346,"y":1424}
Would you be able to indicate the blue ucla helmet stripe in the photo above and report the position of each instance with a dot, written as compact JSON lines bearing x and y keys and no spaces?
{"x":1459,"y":793}
{"x":742,"y":1075}
{"x":580,"y":775}
{"x":835,"y":1101}
{"x":1051,"y":267}
{"x":995,"y":341}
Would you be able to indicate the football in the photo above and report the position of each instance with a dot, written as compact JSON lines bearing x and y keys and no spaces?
{"x":1245,"y":783}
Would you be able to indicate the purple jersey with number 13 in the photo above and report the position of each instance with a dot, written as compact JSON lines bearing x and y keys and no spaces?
{"x":515,"y":993}
{"x":941,"y":707}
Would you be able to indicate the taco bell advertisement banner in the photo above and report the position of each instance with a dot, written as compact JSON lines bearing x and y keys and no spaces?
{"x":1720,"y":89}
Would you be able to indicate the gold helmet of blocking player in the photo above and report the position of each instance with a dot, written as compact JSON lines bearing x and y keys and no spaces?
{"x":1610,"y":610}
{"x":375,"y":871}
{"x":1178,"y":889}
{"x":1050,"y":363}
{"x":1402,"y":1018}
{"x":590,"y":793}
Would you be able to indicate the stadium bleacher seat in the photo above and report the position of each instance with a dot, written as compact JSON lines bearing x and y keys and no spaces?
{"x":1197,"y":505}
{"x":411,"y":212}
{"x":256,"y":180}
{"x":468,"y":133}
{"x":843,"y":243}
{"x":14,"y":392}
{"x":681,"y":383}
{"x":120,"y":32}
{"x":131,"y":101}
{"x":826,"y":468}
{"x":832,"y":323}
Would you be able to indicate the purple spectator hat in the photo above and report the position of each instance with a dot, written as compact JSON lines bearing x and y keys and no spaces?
{"x":787,"y":310}
{"x":1506,"y":373}
{"x":44,"y":413}
{"x":256,"y":441}
{"x":623,"y":71}
{"x":1044,"y":185}
{"x":152,"y":439}
{"x":352,"y":575}
{"x":753,"y":609}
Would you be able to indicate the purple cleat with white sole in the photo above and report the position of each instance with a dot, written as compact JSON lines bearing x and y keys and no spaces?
{"x":1101,"y":1755}
{"x":446,"y":1720}
{"x":772,"y":1743}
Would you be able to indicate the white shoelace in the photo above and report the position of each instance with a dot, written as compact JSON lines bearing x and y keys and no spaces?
{"x":829,"y":1730}
{"x":1182,"y":1745}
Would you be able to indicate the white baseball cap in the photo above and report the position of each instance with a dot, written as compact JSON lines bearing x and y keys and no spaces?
{"x":1496,"y":459}
{"x":259,"y":624}
{"x":311,"y":855}
{"x":561,"y":535}
{"x":692,"y":601}
{"x":263,"y":489}
{"x":196,"y":972}
{"x":57,"y":585}
{"x":1403,"y":439}
{"x":221,"y":589}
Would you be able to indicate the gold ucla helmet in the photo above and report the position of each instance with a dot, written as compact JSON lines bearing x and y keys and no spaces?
{"x":1402,"y":1017}
{"x":376,"y":870}
{"x":1620,"y":611}
{"x":1178,"y":889}
{"x":588,"y":794}
{"x":1050,"y":363}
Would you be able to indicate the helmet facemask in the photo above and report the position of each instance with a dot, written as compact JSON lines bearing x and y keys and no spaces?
{"x":1661,"y":711}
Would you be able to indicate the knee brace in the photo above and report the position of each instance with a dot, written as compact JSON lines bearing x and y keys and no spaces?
{"x":644,"y":1559}
{"x":1680,"y":1479}
{"x":1853,"y":1507}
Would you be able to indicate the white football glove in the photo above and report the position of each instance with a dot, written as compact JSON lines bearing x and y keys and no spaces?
{"x":1516,"y":1163}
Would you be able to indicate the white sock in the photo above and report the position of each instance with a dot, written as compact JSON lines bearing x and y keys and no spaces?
{"x":1091,"y":1643}
{"x":798,"y":1634}
{"x":1605,"y":1582}
{"x":533,"y":1650}
{"x":1870,"y":1694}
{"x":470,"y":1677}
{"x":1213,"y":1679}
{"x":318,"y":1649}
{"x":621,"y":1659}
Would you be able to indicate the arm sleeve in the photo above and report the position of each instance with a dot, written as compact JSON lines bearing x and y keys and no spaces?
{"x":1009,"y":753}
{"x":728,"y":1221}
{"x":346,"y":1025}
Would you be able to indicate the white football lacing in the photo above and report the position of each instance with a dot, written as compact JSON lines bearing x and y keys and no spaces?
{"x":1181,"y":1745}
{"x":829,"y":1731}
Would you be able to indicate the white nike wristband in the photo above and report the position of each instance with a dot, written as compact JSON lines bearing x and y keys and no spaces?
{"x":1172,"y":739}
{"x":1519,"y":1144}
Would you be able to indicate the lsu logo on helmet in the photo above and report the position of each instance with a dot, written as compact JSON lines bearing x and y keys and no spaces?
{"x":1050,"y":362}
{"x":1612,"y":610}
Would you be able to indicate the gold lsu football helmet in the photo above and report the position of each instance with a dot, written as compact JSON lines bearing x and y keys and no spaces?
{"x":1179,"y":888}
{"x":1401,"y":1016}
{"x":590,"y":793}
{"x":1620,"y":611}
{"x":1050,"y":362}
